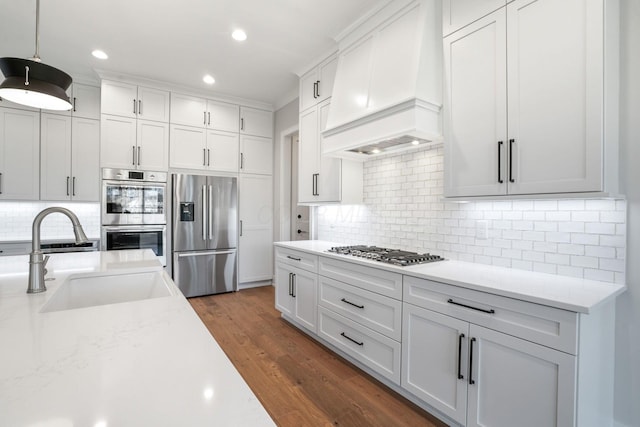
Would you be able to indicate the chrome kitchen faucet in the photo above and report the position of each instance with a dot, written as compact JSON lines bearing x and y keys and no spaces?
{"x":37,"y":261}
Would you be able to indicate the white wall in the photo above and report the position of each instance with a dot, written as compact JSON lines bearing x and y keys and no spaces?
{"x":627,"y":393}
{"x":403,"y":208}
{"x":286,"y":119}
{"x":16,"y":219}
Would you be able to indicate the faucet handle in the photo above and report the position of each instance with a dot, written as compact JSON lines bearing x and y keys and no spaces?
{"x":44,"y":264}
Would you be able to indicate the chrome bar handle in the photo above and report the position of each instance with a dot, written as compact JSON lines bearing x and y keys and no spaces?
{"x":204,"y":212}
{"x":133,"y":155}
{"x":204,"y":119}
{"x":240,"y":228}
{"x":67,"y":186}
{"x":204,"y":157}
{"x":211,"y":212}
{"x":134,"y":107}
{"x":209,"y":118}
{"x":138,"y":155}
{"x":140,"y":106}
{"x":208,"y":157}
{"x":73,"y":186}
{"x":241,"y":160}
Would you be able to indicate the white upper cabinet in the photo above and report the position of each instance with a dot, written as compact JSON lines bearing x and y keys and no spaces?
{"x":557,"y":137}
{"x":69,"y":158}
{"x":475,"y":124}
{"x":222,"y":151}
{"x":316,"y":85}
{"x":320,"y":178}
{"x":199,"y":112}
{"x":256,"y":122}
{"x":118,"y":146}
{"x":256,"y":155}
{"x":458,"y":13}
{"x":128,"y":100}
{"x":152,"y":148}
{"x":19,"y":154}
{"x":86,"y":101}
{"x":202,"y":149}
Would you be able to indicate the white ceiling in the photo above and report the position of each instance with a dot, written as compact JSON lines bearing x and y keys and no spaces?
{"x":180,"y":41}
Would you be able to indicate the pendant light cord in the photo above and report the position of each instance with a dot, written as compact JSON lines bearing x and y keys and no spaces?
{"x":36,"y":57}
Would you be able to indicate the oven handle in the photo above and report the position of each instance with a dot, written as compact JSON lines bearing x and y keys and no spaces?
{"x":134,"y":228}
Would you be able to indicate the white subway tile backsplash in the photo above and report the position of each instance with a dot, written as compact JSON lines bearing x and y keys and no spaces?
{"x":404,"y":208}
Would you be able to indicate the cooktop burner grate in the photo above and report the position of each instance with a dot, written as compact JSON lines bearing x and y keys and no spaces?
{"x":386,"y":255}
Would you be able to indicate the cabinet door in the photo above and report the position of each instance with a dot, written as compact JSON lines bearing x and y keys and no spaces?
{"x":85,"y":159}
{"x":283,"y":284}
{"x":153,"y":146}
{"x":118,"y":98}
{"x":434,"y":360}
{"x":255,"y":197}
{"x":223,"y":116}
{"x":308,"y":156}
{"x":256,"y":122}
{"x":475,"y":109}
{"x":330,"y":168}
{"x":308,"y":96}
{"x":458,"y":13}
{"x":19,"y":154}
{"x":256,"y":155}
{"x":55,"y":157}
{"x":326,"y":77}
{"x":555,"y":69}
{"x":118,"y":145}
{"x":153,"y":104}
{"x":223,"y":151}
{"x":188,"y":147}
{"x":305,"y":296}
{"x":188,"y":110}
{"x":86,"y":101}
{"x":517,"y":382}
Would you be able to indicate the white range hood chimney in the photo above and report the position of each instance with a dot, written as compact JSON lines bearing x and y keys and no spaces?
{"x":387,"y":94}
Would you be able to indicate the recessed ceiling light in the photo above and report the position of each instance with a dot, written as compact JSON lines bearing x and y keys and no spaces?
{"x":375,"y":151}
{"x":99,"y":54}
{"x":415,"y":142}
{"x":239,"y":35}
{"x":208,"y":79}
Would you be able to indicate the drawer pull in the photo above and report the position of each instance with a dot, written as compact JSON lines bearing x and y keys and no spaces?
{"x":460,"y":338}
{"x":294,"y":258}
{"x":351,"y":339}
{"x":350,"y":303}
{"x":471,"y":381}
{"x":290,"y":284}
{"x":450,"y":301}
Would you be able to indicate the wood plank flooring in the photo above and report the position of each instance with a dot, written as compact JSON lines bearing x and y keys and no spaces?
{"x":299,"y":381}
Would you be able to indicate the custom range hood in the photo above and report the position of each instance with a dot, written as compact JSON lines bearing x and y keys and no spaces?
{"x":387,"y":93}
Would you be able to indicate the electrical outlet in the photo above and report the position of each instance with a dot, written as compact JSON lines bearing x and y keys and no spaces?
{"x":482,"y":229}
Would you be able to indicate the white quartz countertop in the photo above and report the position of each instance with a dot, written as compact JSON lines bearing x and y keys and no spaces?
{"x":141,"y":363}
{"x":578,"y":295}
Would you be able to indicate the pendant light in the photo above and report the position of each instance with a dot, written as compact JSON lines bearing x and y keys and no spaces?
{"x":30,"y":82}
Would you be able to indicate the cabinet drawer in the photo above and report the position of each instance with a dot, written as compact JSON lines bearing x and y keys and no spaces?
{"x":369,"y":278}
{"x":374,"y":350}
{"x":544,"y":325}
{"x":298,"y":259}
{"x":380,"y":313}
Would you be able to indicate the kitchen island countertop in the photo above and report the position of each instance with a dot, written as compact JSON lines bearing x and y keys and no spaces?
{"x":141,"y":363}
{"x":568,"y":293}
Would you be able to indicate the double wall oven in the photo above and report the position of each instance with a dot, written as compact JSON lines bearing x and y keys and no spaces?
{"x":134,"y":211}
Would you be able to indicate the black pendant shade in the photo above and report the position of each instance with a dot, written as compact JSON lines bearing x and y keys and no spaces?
{"x":35,"y":84}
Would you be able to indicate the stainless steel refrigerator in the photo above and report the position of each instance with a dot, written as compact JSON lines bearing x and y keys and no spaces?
{"x":205,"y":234}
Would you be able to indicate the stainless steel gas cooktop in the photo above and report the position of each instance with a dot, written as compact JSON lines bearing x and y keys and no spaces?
{"x":389,"y":256}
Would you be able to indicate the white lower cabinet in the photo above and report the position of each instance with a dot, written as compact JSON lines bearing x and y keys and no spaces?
{"x":296,"y":295}
{"x":480,"y":377}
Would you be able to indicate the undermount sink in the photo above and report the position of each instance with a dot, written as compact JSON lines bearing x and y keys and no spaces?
{"x":80,"y":292}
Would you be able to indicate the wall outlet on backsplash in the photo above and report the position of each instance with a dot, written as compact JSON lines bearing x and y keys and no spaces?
{"x":404,"y":208}
{"x":482,"y":229}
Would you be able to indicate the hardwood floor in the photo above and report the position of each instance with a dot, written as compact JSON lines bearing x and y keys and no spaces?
{"x":299,"y":381}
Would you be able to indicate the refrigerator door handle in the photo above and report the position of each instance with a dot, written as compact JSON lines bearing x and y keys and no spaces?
{"x":204,"y":212}
{"x":211,"y":212}
{"x":192,"y":254}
